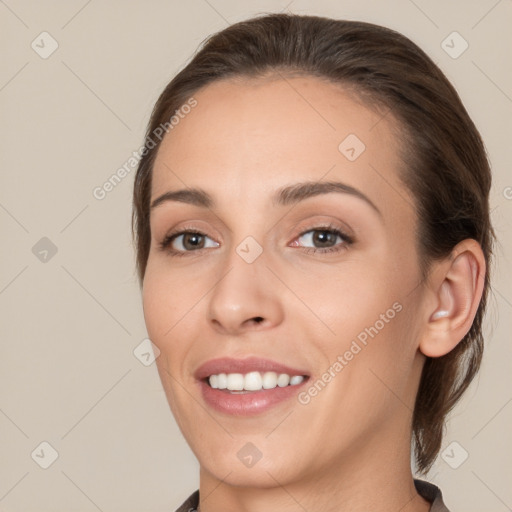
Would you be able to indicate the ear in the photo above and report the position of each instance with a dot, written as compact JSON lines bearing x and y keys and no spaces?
{"x":455,"y":289}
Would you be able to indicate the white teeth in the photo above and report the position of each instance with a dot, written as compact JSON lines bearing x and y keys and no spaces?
{"x":253,"y":381}
{"x":235,"y":382}
{"x":296,"y":379}
{"x":222,"y":381}
{"x":269,"y":380}
{"x":214,"y":381}
{"x":283,"y":380}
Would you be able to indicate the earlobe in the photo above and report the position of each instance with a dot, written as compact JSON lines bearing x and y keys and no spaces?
{"x":458,"y":290}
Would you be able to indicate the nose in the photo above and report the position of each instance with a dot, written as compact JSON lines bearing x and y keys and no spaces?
{"x":245,"y":298}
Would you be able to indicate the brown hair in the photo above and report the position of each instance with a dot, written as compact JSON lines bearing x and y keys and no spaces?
{"x":447,"y":169}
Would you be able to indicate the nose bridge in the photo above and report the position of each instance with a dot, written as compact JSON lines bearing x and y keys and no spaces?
{"x":243,"y":294}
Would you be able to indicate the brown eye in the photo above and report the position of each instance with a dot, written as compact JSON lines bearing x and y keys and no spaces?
{"x":324,"y":238}
{"x":192,"y":241}
{"x":186,"y":241}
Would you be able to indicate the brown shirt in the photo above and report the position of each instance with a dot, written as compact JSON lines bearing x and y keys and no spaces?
{"x":425,"y":489}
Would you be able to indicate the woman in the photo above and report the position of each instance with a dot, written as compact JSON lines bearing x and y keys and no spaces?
{"x":313,"y":239}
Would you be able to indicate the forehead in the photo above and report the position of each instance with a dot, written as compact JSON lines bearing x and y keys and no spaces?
{"x":259,"y":134}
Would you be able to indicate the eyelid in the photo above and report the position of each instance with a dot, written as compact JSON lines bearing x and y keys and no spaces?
{"x":328,"y":224}
{"x":190,"y":226}
{"x":182,"y":230}
{"x":329,"y":227}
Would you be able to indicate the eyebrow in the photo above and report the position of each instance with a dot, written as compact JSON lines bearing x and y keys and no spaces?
{"x":284,"y":196}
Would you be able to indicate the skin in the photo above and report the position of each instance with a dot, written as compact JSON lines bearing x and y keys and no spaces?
{"x":349,"y":447}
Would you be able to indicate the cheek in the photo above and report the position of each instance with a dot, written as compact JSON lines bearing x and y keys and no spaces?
{"x":365,"y":311}
{"x":165,"y":313}
{"x":156,"y":307}
{"x":163,"y":307}
{"x":167,"y":298}
{"x":350,"y":299}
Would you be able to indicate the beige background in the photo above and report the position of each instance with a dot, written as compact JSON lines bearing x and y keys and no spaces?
{"x":69,"y":325}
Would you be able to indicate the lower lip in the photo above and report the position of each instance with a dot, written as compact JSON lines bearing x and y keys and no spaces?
{"x":250,"y":403}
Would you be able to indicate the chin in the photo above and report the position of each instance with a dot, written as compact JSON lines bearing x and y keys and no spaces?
{"x":259,"y":476}
{"x":246,"y":466}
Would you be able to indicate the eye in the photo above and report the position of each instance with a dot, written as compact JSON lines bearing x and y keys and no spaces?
{"x":186,"y":241}
{"x":324,"y":240}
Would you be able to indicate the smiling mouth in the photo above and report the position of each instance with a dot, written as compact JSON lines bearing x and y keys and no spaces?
{"x":239,"y":383}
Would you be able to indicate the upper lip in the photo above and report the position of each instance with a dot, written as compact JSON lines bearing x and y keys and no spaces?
{"x":249,"y":364}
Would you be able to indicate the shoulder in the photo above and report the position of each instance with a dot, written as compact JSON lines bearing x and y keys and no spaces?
{"x":431,"y":493}
{"x":190,"y":504}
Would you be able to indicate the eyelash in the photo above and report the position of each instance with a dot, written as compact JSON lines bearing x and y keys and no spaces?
{"x":332,"y":229}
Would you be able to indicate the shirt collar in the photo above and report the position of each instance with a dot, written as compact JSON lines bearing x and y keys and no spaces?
{"x":425,"y":489}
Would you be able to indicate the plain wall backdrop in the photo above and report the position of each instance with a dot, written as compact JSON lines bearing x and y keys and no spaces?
{"x":77,"y":84}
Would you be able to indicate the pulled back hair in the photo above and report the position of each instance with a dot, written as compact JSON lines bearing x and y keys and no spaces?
{"x":446,"y":166}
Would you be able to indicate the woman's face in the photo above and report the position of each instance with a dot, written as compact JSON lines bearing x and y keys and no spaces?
{"x":323,"y":282}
